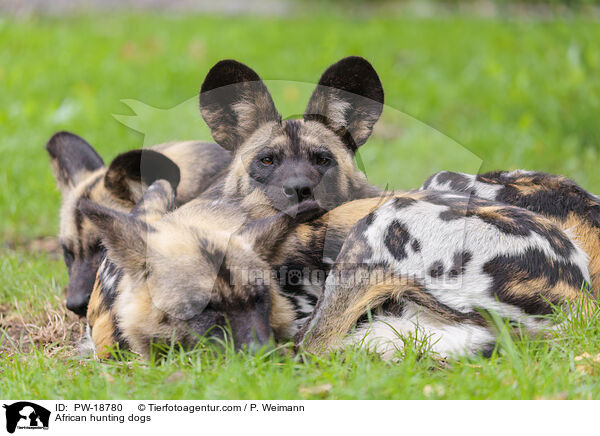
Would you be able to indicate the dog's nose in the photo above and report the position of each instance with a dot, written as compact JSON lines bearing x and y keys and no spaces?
{"x":297,"y":189}
{"x":78,"y":303}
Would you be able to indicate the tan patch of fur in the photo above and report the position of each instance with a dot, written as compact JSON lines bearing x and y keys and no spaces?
{"x":175,"y":242}
{"x":305,"y":234}
{"x":337,"y":318}
{"x":565,"y":291}
{"x":350,"y":213}
{"x":523,"y":180}
{"x":493,"y":213}
{"x":237,"y":171}
{"x":526,"y":190}
{"x":62,"y":187}
{"x":588,"y":237}
{"x":257,"y":205}
{"x":103,"y":334}
{"x":336,"y":111}
{"x":136,"y":315}
{"x":523,"y":286}
{"x":374,"y":296}
{"x":95,"y":302}
{"x":282,"y":313}
{"x":204,"y":216}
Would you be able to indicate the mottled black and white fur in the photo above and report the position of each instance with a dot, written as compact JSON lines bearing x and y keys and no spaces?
{"x":432,"y":263}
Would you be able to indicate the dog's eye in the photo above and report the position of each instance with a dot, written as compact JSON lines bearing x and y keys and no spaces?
{"x":267,"y":160}
{"x":68,"y":255}
{"x":323,"y":160}
{"x":96,"y":247}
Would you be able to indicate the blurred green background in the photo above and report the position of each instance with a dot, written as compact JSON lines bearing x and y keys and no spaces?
{"x":470,"y":86}
{"x":462,"y":88}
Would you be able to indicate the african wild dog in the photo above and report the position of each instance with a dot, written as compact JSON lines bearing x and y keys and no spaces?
{"x":426,"y":264}
{"x":276,"y":163}
{"x":81,"y":174}
{"x":558,"y":198}
{"x":180,"y":274}
{"x":433,"y":260}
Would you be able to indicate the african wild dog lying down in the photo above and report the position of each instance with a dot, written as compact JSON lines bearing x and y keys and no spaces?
{"x":180,"y":274}
{"x":557,"y":198}
{"x":427,"y":264}
{"x":424,"y":263}
{"x":81,"y":174}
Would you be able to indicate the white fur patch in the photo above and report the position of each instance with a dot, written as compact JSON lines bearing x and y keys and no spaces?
{"x":440,"y":241}
{"x":86,"y":345}
{"x":386,"y":335}
{"x":475,"y":187}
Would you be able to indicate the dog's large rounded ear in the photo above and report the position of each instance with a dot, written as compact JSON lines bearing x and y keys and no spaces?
{"x":235,"y":102}
{"x":130,"y":173}
{"x":72,"y":159}
{"x":123,"y":235}
{"x":348,"y":99}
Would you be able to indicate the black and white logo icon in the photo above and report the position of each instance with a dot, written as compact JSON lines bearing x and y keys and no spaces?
{"x":26,"y":415}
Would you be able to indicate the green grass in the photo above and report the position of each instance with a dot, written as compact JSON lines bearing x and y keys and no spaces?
{"x":462,"y":93}
{"x":526,"y":368}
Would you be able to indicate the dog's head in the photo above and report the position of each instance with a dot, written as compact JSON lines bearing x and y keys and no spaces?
{"x":81,"y":174}
{"x":191,"y":273}
{"x":282,"y":163}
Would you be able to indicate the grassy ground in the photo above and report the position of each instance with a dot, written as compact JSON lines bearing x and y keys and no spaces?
{"x":462,"y":93}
